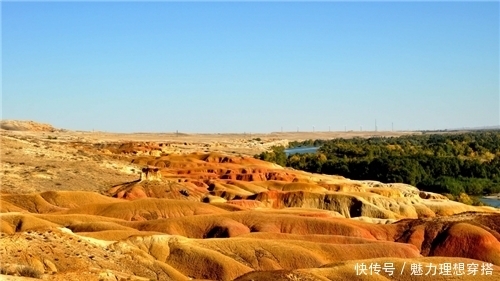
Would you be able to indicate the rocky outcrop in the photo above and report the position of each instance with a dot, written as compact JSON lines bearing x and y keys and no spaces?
{"x":150,"y":174}
{"x":214,"y":177}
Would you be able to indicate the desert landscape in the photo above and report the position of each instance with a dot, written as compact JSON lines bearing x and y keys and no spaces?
{"x":250,"y":141}
{"x":102,"y":206}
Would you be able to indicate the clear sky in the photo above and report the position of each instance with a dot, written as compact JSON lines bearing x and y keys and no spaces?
{"x":251,"y":67}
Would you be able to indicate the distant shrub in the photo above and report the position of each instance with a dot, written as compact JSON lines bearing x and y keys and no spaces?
{"x":493,"y":187}
{"x":276,"y":155}
{"x":28,"y":271}
{"x":449,"y":196}
{"x":52,"y":137}
{"x":464,"y":198}
{"x":474,"y":187}
{"x":448,"y":185}
{"x":476,"y":201}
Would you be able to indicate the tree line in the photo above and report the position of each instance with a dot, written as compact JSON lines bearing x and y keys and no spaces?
{"x":443,"y":163}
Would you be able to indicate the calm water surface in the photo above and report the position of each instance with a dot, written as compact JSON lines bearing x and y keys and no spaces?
{"x":491,"y":202}
{"x":301,"y":150}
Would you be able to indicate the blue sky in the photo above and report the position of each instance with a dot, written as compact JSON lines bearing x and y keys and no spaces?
{"x":223,"y":67}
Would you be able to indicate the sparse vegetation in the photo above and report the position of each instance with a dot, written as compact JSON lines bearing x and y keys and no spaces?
{"x":28,"y":271}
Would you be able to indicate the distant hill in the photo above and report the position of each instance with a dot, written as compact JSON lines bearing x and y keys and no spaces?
{"x":21,"y":125}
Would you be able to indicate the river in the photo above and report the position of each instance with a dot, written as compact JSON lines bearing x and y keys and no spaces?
{"x":301,"y":150}
{"x":491,"y":202}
